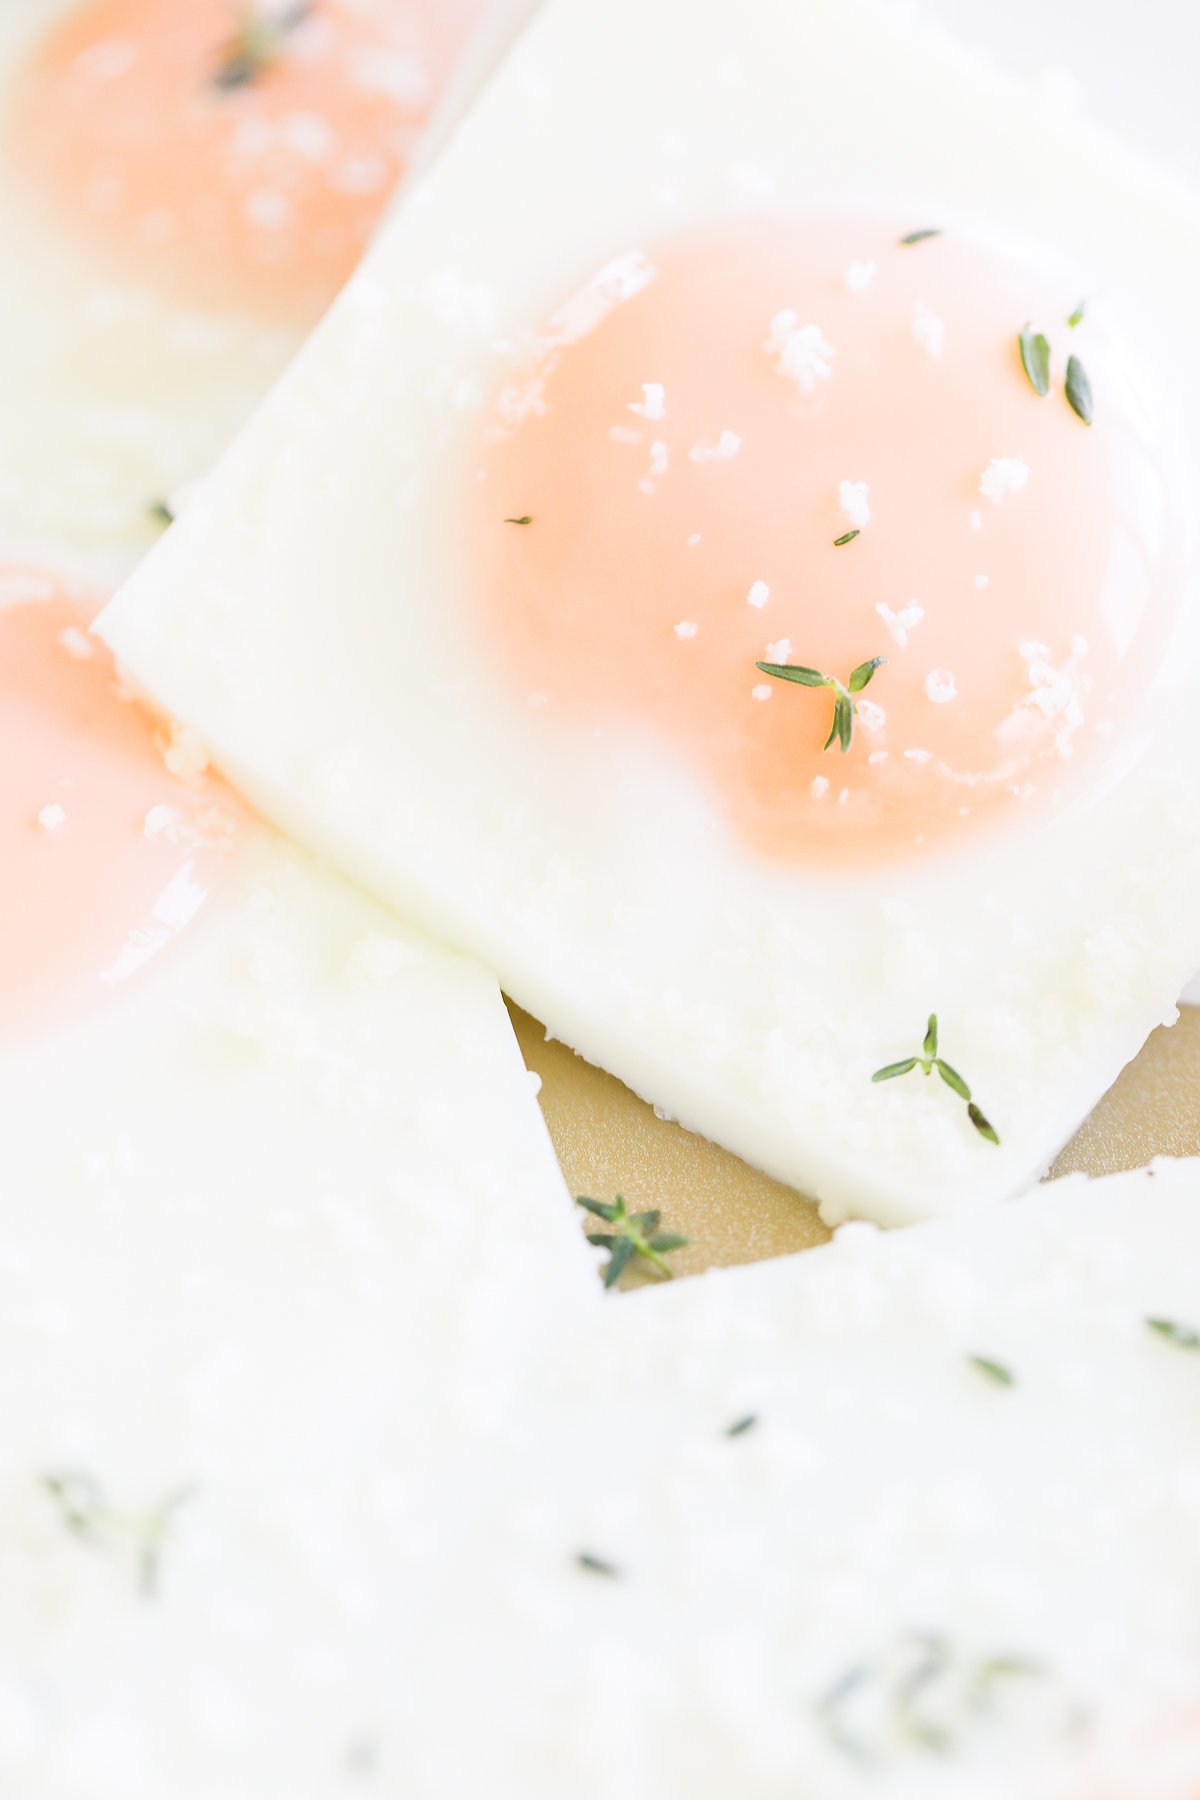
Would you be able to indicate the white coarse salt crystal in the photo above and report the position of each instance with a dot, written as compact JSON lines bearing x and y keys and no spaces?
{"x":77,"y":643}
{"x":761,"y":692}
{"x":726,"y":446}
{"x":928,"y":329}
{"x":622,"y":434}
{"x":803,"y":353}
{"x":860,"y":275}
{"x":686,"y":628}
{"x":871,"y":716}
{"x":779,"y":651}
{"x":185,"y":755}
{"x":902,"y":622}
{"x":820,"y":787}
{"x":271,"y":210}
{"x":653,"y":404}
{"x":52,"y":818}
{"x":759,"y":594}
{"x":161,"y":821}
{"x":975,"y":519}
{"x":694,"y":540}
{"x":941,"y":686}
{"x":853,"y":498}
{"x":919,"y":756}
{"x":660,"y":457}
{"x":982,"y":581}
{"x":1003,"y":475}
{"x":877,"y":756}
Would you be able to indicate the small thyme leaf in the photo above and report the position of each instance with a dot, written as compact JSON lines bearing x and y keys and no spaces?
{"x":596,"y":1565}
{"x":994,"y":1371}
{"x":1182,"y":1336}
{"x":894,"y":1069}
{"x":847,"y":537}
{"x":1079,"y":391}
{"x":982,"y":1125}
{"x":861,"y":676}
{"x":1076,"y":318}
{"x":635,"y":1235}
{"x":927,"y":1062}
{"x":527,"y":519}
{"x":953,"y":1079}
{"x":919,"y":237}
{"x":1035,"y":359}
{"x":161,"y":513}
{"x":740,"y":1427}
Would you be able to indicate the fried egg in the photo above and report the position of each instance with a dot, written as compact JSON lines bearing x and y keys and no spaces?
{"x":184,"y":187}
{"x":736,"y":580}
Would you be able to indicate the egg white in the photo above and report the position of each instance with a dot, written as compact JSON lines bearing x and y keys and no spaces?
{"x":310,"y":619}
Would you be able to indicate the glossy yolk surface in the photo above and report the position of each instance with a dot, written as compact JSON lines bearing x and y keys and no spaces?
{"x":106,"y":855}
{"x":239,"y":155}
{"x":698,"y":426}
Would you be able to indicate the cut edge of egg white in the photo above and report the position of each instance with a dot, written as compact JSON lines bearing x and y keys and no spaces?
{"x":359,"y":1455}
{"x":303,"y":617}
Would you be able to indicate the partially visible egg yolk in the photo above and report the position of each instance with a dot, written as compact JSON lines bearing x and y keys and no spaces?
{"x":239,"y":156}
{"x":657,"y":503}
{"x":106,"y":855}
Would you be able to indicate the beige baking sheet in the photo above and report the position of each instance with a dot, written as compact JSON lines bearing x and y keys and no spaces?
{"x":610,"y":1142}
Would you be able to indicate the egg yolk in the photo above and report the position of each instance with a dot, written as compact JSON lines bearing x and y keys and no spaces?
{"x":806,"y":443}
{"x":238,"y":155}
{"x":106,"y":855}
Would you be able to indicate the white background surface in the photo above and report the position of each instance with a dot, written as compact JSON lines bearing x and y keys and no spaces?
{"x":1139,"y":63}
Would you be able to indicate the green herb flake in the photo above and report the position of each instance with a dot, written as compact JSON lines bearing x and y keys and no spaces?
{"x":995,"y":1371}
{"x":1184,"y":1337}
{"x":740,"y":1427}
{"x":633,"y":1235}
{"x":927,"y":1062}
{"x":596,"y":1565}
{"x":1035,"y":359}
{"x":919,"y":237}
{"x":161,"y":513}
{"x":88,"y":1515}
{"x":1079,"y":391}
{"x":847,"y":537}
{"x":255,"y":46}
{"x":1076,"y":318}
{"x":525,"y":520}
{"x":845,"y":709}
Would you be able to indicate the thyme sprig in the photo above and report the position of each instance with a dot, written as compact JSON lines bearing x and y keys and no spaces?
{"x":923,"y":1694}
{"x":256,"y":45}
{"x":845,"y":707}
{"x":1184,"y":1337}
{"x":847,"y":537}
{"x":88,"y":1515}
{"x":525,"y":519}
{"x":633,"y":1235}
{"x":927,"y":1062}
{"x":919,"y":237}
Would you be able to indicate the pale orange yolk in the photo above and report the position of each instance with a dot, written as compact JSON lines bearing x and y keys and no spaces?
{"x":105,"y":855}
{"x":698,"y":427}
{"x":258,"y":194}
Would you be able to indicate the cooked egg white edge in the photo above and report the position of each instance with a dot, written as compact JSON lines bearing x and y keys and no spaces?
{"x":306,"y":618}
